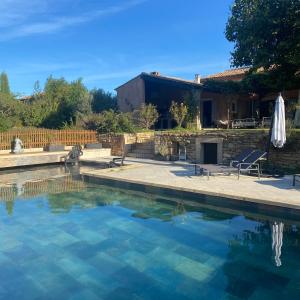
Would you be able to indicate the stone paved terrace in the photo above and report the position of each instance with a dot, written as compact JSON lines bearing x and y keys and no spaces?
{"x":38,"y":157}
{"x":180,"y":175}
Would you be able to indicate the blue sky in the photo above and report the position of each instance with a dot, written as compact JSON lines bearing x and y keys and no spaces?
{"x":107,"y":42}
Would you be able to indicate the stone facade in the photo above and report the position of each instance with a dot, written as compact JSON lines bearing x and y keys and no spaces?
{"x":131,"y":95}
{"x":233,"y":142}
{"x":230,"y":143}
{"x":117,"y":141}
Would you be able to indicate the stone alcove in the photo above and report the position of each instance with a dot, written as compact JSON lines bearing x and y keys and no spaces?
{"x":209,"y":150}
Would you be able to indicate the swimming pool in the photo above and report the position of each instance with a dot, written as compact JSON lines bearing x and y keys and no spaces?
{"x":64,"y":239}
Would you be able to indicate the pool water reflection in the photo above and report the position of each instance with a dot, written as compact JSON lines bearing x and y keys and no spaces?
{"x":96,"y":242}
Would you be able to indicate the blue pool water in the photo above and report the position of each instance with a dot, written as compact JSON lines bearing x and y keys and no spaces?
{"x":63,"y":240}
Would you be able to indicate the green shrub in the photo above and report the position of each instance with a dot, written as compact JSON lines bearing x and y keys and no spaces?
{"x":6,"y":123}
{"x":102,"y":101}
{"x":146,"y":116}
{"x":125,"y":123}
{"x":178,"y":112}
{"x":109,"y":122}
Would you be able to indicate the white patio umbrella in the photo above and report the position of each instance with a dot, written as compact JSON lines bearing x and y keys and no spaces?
{"x":278,"y":137}
{"x":277,"y":237}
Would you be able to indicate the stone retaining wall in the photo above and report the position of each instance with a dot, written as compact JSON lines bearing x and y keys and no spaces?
{"x":116,"y":141}
{"x":233,"y":142}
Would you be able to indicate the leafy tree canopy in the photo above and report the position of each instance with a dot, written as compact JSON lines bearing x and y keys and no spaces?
{"x":146,"y":116}
{"x":266,"y":34}
{"x":10,"y":110}
{"x":179,"y":112}
{"x":66,"y":102}
{"x":109,"y":121}
{"x":102,"y":100}
{"x":4,"y":84}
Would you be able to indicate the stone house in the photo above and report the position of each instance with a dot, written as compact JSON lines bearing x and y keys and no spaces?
{"x":158,"y":90}
{"x":215,"y":109}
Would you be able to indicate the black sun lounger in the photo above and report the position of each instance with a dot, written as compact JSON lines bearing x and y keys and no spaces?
{"x":251,"y":163}
{"x":241,"y":157}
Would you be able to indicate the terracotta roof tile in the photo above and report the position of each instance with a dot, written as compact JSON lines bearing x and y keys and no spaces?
{"x":228,"y":74}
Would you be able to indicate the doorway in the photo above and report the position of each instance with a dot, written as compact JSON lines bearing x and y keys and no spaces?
{"x":207,"y":114}
{"x":210,"y":153}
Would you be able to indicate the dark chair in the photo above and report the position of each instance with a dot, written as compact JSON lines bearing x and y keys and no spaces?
{"x":251,"y":163}
{"x":117,"y":162}
{"x":74,"y":155}
{"x":241,"y":157}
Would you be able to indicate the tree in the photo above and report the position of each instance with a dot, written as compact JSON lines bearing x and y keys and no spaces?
{"x":146,"y":116}
{"x":266,"y":34}
{"x":110,"y":121}
{"x":34,"y":114}
{"x":102,"y":100}
{"x":192,"y":101}
{"x":67,"y":102}
{"x":10,"y":110}
{"x":178,"y":112}
{"x":36,"y":88}
{"x":4,"y":85}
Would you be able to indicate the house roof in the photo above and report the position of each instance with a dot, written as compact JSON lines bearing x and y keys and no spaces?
{"x":169,"y":78}
{"x":25,"y":98}
{"x":29,"y":97}
{"x":158,"y":76}
{"x":232,"y":74}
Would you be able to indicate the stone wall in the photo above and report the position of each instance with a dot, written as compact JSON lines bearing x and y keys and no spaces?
{"x":169,"y":142}
{"x":233,"y":142}
{"x":131,"y":95}
{"x":287,"y":157}
{"x":117,"y":141}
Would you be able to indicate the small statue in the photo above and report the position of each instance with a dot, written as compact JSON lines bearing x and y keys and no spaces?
{"x":17,"y":145}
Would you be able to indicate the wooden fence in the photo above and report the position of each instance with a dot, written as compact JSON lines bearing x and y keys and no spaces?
{"x":33,"y":188}
{"x":38,"y":138}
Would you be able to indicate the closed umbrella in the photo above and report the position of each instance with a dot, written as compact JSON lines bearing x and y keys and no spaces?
{"x":278,"y":137}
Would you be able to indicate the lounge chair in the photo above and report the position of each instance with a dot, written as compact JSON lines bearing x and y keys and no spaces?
{"x":241,"y":157}
{"x":117,"y":162}
{"x":223,"y":169}
{"x":251,"y":163}
{"x":247,"y":161}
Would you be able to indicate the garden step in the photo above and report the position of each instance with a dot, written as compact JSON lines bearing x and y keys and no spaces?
{"x":143,"y":146}
{"x":142,"y":149}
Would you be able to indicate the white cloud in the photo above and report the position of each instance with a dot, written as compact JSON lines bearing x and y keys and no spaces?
{"x":38,"y":68}
{"x":14,"y":12}
{"x":19,"y":12}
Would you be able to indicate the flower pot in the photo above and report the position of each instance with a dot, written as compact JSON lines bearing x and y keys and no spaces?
{"x":93,"y":146}
{"x":54,"y":147}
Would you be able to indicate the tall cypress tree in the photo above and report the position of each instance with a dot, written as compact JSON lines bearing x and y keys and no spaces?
{"x":4,"y":85}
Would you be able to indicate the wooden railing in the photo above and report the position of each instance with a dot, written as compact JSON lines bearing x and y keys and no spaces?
{"x":38,"y":138}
